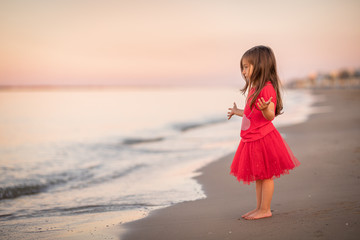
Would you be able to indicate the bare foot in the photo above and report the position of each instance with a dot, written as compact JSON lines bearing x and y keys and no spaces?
{"x":259,"y":214}
{"x":249,"y":213}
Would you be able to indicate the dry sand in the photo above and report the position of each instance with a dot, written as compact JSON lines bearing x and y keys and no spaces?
{"x":318,"y":200}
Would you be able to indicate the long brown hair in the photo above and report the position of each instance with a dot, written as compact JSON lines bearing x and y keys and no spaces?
{"x":264,"y":69}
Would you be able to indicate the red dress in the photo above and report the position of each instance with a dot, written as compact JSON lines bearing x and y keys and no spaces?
{"x":262,"y":152}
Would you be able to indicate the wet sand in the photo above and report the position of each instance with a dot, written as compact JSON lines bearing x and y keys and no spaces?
{"x":318,"y":200}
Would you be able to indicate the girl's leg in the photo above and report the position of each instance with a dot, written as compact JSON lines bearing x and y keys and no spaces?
{"x":268,"y":190}
{"x":264,"y":210}
{"x":258,"y":198}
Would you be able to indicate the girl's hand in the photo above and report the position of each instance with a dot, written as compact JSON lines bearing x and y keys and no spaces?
{"x":267,"y":108}
{"x":262,"y":105}
{"x":232,"y":111}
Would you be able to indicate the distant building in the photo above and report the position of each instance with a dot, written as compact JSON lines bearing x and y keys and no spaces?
{"x":344,"y":78}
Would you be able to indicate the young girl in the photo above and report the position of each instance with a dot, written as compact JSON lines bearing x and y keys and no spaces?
{"x":262,"y":153}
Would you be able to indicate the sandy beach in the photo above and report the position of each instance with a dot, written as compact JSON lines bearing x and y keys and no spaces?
{"x":318,"y":200}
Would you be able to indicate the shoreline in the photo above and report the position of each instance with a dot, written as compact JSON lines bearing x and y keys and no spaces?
{"x":318,"y":199}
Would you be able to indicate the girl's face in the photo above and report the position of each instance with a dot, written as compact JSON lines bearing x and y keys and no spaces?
{"x":247,"y":69}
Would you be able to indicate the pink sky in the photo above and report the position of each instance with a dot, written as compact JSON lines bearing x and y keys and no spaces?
{"x":170,"y":42}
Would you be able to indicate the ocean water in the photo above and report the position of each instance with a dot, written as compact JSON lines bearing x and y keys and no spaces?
{"x":73,"y":152}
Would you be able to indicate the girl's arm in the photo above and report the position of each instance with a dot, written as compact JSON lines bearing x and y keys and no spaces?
{"x":235,"y":111}
{"x":267,"y":108}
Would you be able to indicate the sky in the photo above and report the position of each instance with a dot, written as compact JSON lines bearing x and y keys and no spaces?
{"x":188,"y":42}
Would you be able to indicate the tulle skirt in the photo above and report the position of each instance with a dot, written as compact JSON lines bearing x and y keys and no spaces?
{"x":265,"y":158}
